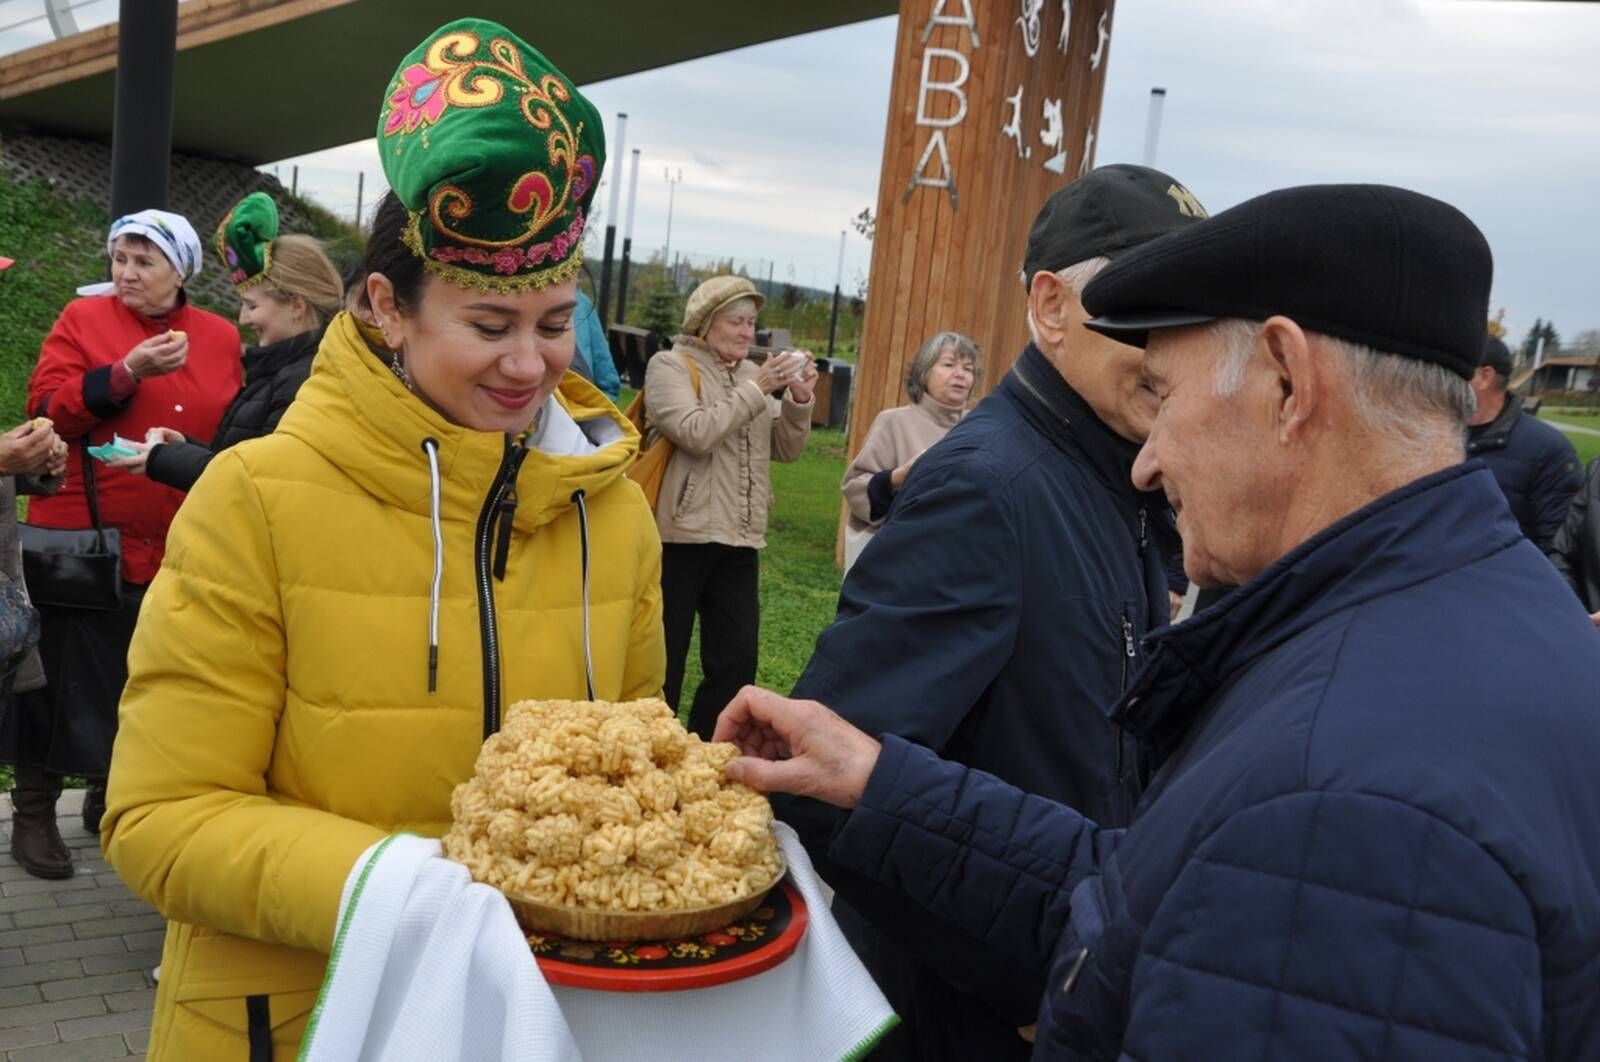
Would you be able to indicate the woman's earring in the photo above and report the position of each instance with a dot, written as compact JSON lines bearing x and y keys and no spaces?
{"x":398,"y":367}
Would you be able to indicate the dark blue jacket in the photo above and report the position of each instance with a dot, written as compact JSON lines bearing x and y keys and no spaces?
{"x":996,"y":617}
{"x":1375,"y":832}
{"x":1534,"y":464}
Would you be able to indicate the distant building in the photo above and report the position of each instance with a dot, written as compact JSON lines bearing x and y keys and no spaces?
{"x":1562,"y":371}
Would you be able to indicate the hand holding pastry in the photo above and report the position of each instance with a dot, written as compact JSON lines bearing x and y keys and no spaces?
{"x":158,"y":355}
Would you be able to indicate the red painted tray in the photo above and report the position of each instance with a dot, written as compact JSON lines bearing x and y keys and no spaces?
{"x":752,"y":945}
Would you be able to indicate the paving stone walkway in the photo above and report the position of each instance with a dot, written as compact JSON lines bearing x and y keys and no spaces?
{"x":75,"y":956}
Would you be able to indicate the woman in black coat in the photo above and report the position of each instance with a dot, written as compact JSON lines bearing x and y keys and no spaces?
{"x":288,"y":292}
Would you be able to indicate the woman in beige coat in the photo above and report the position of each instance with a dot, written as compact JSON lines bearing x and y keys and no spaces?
{"x":943,"y":376}
{"x":726,"y":418}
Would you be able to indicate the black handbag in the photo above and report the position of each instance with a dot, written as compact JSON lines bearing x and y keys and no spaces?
{"x":74,"y":569}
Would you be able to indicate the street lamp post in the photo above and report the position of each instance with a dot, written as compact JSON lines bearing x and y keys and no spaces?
{"x":672,"y":188}
{"x":838,"y":283}
{"x":611,"y":223}
{"x":627,"y":240}
{"x":1152,"y":124}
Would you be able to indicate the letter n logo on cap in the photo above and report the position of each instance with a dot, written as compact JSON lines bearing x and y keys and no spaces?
{"x":1188,"y":205}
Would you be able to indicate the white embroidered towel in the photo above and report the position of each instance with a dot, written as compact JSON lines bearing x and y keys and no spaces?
{"x":428,"y":964}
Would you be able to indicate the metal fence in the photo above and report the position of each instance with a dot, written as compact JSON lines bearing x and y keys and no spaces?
{"x":349,"y":194}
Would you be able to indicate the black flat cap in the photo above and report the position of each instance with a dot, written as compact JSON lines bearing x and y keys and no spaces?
{"x":1103,"y":213}
{"x":1393,"y":270}
{"x":1497,"y":356}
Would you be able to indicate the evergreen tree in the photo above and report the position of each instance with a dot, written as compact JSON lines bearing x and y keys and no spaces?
{"x":1530,"y":343}
{"x":662,"y":313}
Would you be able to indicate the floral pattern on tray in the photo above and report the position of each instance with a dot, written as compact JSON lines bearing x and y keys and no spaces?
{"x":748,"y":934}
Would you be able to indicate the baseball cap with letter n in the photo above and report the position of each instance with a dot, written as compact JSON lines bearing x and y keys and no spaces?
{"x":1103,"y":213}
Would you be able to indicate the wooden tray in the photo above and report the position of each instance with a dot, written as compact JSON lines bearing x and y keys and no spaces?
{"x":750,"y":945}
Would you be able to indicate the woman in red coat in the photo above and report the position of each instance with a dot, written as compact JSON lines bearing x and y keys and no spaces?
{"x":114,"y":364}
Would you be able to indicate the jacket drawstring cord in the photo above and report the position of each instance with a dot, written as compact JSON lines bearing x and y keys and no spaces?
{"x":430,"y":446}
{"x":583,"y":538}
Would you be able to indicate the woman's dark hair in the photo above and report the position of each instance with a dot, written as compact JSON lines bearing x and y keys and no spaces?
{"x":141,"y":241}
{"x":388,"y":254}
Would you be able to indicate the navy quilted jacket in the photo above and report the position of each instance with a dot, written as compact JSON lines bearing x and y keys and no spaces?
{"x":1534,"y":464}
{"x":1375,"y":831}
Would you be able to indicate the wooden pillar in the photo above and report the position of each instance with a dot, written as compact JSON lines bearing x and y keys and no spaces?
{"x":993,"y":107}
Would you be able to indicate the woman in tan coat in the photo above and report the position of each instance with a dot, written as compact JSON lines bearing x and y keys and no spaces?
{"x":942,"y":377}
{"x":727,"y":419}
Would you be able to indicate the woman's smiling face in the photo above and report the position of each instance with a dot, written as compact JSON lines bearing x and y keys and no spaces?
{"x":484,"y":361}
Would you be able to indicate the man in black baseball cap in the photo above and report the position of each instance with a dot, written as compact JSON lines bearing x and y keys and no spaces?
{"x":1373,"y":829}
{"x":1111,"y":210}
{"x":1535,"y":465}
{"x":997,"y":613}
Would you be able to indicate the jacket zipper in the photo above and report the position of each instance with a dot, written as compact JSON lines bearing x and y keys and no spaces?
{"x":1127,"y":648}
{"x":488,"y":627}
{"x":1127,"y":661}
{"x":505,"y":518}
{"x":1128,"y":651}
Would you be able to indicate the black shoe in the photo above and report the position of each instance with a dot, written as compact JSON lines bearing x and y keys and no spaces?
{"x":94,"y":805}
{"x":36,"y":843}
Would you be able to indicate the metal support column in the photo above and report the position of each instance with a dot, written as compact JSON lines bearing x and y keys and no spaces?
{"x":141,"y":138}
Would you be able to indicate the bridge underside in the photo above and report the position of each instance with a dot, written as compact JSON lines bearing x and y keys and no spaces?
{"x":258,"y":80}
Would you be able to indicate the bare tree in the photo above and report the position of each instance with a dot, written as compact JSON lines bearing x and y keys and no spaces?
{"x":1586,"y":343}
{"x":865,"y":223}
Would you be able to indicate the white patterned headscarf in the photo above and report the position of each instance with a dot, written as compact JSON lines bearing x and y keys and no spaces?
{"x":172,"y":233}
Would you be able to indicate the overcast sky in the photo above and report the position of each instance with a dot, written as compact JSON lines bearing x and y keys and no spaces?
{"x":1488,"y":104}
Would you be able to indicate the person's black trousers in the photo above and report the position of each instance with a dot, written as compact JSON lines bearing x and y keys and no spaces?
{"x":722,"y":585}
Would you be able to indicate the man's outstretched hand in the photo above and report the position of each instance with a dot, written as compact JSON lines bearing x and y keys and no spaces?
{"x":798,"y":747}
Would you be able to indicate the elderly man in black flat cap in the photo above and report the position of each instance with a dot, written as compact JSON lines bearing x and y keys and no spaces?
{"x":1373,"y":831}
{"x":996,"y":616}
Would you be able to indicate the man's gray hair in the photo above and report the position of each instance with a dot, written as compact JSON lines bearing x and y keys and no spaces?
{"x":928,"y":354}
{"x":1076,"y":277}
{"x":1415,"y":401}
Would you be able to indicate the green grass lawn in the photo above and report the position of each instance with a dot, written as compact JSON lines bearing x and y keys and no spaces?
{"x":1588,"y":446}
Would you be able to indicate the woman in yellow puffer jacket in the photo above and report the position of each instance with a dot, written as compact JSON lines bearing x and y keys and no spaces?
{"x":441,"y":525}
